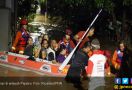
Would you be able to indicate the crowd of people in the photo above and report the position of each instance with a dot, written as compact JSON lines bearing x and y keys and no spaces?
{"x":88,"y":59}
{"x":50,"y":49}
{"x":45,"y":47}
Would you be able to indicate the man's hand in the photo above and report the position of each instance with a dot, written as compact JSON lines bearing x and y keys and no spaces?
{"x":117,"y":66}
{"x":13,"y":49}
{"x":54,"y":61}
{"x":89,"y":75}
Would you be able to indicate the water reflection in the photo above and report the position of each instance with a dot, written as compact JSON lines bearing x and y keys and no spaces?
{"x":39,"y":80}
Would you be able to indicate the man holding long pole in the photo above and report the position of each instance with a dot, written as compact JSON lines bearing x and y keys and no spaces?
{"x":71,"y":54}
{"x":78,"y":63}
{"x":78,"y":66}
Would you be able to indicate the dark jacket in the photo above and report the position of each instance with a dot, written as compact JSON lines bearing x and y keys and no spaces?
{"x":80,"y":59}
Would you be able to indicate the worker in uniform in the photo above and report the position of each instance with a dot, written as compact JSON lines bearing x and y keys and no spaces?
{"x":21,"y":38}
{"x":96,"y":67}
{"x":86,"y":39}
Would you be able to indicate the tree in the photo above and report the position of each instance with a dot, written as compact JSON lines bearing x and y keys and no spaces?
{"x":111,"y":6}
{"x":117,"y":9}
{"x":79,"y":12}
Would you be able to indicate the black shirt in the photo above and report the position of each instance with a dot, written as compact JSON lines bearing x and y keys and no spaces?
{"x":80,"y":59}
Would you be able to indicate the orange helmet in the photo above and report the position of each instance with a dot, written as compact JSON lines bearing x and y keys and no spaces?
{"x":23,"y":22}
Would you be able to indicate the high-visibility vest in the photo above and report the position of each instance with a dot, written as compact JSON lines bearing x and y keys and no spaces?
{"x":96,"y":64}
{"x":23,"y":39}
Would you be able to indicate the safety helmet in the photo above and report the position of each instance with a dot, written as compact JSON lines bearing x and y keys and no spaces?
{"x":23,"y":22}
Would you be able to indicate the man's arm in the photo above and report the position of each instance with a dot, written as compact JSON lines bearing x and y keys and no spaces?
{"x":89,"y":68}
{"x":18,"y":35}
{"x":114,"y":58}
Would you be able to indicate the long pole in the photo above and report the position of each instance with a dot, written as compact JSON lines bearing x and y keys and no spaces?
{"x":71,"y":54}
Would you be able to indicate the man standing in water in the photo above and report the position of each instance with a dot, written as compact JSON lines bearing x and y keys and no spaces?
{"x":78,"y":64}
{"x":96,"y":67}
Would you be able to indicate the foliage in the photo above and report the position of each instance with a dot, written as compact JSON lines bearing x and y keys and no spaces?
{"x":30,"y":17}
{"x":76,"y":2}
{"x":107,"y":5}
{"x":127,"y":2}
{"x":72,"y":11}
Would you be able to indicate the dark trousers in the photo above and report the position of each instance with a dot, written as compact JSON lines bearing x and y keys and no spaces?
{"x":73,"y":75}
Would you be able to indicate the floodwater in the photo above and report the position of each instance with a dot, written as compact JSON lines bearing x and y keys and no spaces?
{"x":25,"y":79}
{"x":10,"y":71}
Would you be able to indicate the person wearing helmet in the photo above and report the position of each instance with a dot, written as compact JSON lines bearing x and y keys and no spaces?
{"x":21,"y":38}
